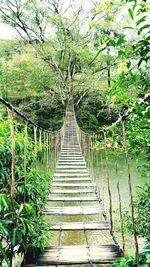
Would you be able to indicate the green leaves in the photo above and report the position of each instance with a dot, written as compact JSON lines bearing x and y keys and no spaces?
{"x":131,"y":14}
{"x":141,"y":20}
{"x":130,"y":261}
{"x":146,"y":26}
{"x":21,"y":224}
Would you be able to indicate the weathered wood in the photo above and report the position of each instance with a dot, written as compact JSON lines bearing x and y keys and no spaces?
{"x":81,"y":226}
{"x":73,"y":171}
{"x":74,"y":185}
{"x":71,"y":167}
{"x":67,"y":255}
{"x":73,"y":210}
{"x":72,"y":179}
{"x":71,"y":163}
{"x":81,"y":191}
{"x":69,"y":199}
{"x":71,"y":175}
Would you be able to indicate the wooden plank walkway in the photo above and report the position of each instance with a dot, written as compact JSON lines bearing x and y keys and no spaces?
{"x":80,"y":191}
{"x":72,"y":189}
{"x":73,"y":210}
{"x":81,"y":226}
{"x":73,"y":199}
{"x":67,"y":255}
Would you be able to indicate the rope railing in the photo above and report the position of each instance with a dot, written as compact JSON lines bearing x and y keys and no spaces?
{"x":38,"y":131}
{"x":88,"y":146}
{"x":52,"y":143}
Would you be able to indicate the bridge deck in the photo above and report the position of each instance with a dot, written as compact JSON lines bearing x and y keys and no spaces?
{"x":72,"y":185}
{"x":67,"y":255}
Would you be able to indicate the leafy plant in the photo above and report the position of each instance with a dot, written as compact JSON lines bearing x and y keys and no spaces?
{"x":22,"y":227}
{"x":142,"y":212}
{"x":130,"y":261}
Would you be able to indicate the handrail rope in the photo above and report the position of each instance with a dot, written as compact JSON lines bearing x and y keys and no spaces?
{"x":11,"y":107}
{"x":121,"y":117}
{"x":130,"y":110}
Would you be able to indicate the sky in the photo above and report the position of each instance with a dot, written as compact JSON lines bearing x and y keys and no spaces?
{"x":7,"y":32}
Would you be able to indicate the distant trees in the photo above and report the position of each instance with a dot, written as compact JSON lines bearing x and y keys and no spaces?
{"x":104,"y":48}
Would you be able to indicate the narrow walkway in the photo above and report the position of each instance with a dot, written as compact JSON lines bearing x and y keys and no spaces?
{"x":73,"y":192}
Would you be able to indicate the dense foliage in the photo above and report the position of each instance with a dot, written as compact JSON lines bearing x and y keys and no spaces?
{"x":142,"y":213}
{"x":130,"y":261}
{"x":98,"y":57}
{"x":22,"y":228}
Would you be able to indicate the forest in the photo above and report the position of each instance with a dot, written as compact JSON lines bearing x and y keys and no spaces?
{"x":96,"y":55}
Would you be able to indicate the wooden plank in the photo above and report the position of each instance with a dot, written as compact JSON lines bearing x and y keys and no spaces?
{"x":73,"y":185}
{"x":81,"y":226}
{"x":72,"y":179}
{"x":81,"y":191}
{"x":72,"y":151}
{"x":69,"y":199}
{"x":73,"y":171}
{"x":74,"y":157}
{"x":71,"y":163}
{"x":73,"y":210}
{"x":80,"y":255}
{"x":71,"y":175}
{"x":65,"y":167}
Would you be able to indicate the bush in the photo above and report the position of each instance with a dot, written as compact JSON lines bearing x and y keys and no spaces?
{"x":22,"y":228}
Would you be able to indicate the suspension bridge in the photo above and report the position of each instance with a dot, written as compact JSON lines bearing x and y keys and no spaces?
{"x":72,"y":184}
{"x":74,"y":193}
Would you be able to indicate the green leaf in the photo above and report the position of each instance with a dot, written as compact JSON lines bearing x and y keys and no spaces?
{"x":146,"y":26}
{"x":141,"y":20}
{"x":2,"y":250}
{"x":121,"y":40}
{"x":130,"y":11}
{"x":14,"y":237}
{"x":111,"y":42}
{"x":129,"y":27}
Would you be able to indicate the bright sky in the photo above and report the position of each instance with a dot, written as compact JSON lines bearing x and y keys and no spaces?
{"x":7,"y":32}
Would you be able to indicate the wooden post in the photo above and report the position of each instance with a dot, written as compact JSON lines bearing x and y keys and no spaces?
{"x":130,"y":192}
{"x":13,"y":151}
{"x":108,"y":184}
{"x":40,"y":137}
{"x":25,"y":161}
{"x":35,"y":144}
{"x":119,"y":197}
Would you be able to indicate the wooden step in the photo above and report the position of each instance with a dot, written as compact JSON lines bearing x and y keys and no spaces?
{"x":81,"y":191}
{"x":72,"y":171}
{"x":71,"y":175}
{"x":71,"y":163}
{"x":73,"y":185}
{"x":70,"y":199}
{"x":81,"y":226}
{"x":72,"y":179}
{"x":72,"y":210}
{"x":69,"y":255}
{"x":71,"y":167}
